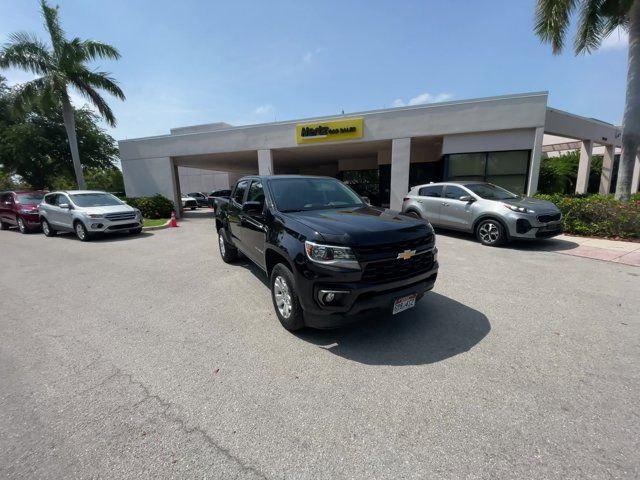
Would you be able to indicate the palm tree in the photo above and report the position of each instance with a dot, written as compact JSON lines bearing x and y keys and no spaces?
{"x":598,"y":19}
{"x":59,"y":67}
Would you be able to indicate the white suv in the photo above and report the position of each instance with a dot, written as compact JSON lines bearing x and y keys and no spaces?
{"x":87,"y":213}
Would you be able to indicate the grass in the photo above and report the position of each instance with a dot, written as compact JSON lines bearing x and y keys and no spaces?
{"x":154,"y":222}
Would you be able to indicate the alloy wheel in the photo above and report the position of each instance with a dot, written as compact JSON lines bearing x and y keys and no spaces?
{"x":221,"y":243}
{"x":45,"y":228}
{"x":283,"y":296}
{"x":21,"y":225}
{"x":489,"y":232}
{"x":80,"y":231}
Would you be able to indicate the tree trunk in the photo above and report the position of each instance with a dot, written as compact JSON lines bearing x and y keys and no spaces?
{"x":70,"y":126}
{"x":631,"y":122}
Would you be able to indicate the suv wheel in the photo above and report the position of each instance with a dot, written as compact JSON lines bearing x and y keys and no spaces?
{"x":81,"y":232}
{"x":136,"y":231}
{"x":21,"y":225}
{"x":285,"y":298}
{"x":490,"y":232}
{"x":413,"y":214}
{"x":47,"y":230}
{"x":227,"y":251}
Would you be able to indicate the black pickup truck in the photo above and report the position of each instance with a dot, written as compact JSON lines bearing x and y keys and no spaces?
{"x":330,"y":258}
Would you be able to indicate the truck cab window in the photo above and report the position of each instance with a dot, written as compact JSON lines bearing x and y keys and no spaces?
{"x":256,"y":192}
{"x":238,"y":194}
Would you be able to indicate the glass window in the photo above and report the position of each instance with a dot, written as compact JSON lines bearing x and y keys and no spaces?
{"x":29,"y":198}
{"x":51,"y":199}
{"x":454,"y":192}
{"x":490,"y":192}
{"x":299,"y":194}
{"x":238,"y":195}
{"x":256,"y":192}
{"x":62,"y":199}
{"x":467,"y":165}
{"x":93,"y":199}
{"x":431,"y":191}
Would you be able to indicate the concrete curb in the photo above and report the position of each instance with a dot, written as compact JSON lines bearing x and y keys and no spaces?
{"x":157,"y":227}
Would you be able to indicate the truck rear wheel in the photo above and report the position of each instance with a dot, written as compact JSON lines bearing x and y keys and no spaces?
{"x":285,"y":298}
{"x":227,"y":251}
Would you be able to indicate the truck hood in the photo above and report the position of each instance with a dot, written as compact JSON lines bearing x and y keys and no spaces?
{"x":534,"y":204}
{"x":362,"y":226}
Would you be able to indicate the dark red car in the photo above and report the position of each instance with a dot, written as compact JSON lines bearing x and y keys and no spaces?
{"x":20,"y":209}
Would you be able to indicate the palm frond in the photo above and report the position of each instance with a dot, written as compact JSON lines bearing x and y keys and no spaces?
{"x":590,"y":27}
{"x":101,"y":80}
{"x":616,"y":13}
{"x":30,"y":94}
{"x":52,"y":24}
{"x":552,"y":20}
{"x":96,"y":99}
{"x":26,"y":52}
{"x":95,"y":50}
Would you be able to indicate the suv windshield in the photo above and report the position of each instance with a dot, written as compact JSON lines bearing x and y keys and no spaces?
{"x":490,"y":191}
{"x":30,"y":198}
{"x":94,"y":199}
{"x":299,"y":194}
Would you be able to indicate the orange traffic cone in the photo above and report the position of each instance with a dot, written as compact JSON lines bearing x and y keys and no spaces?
{"x":173,"y":219}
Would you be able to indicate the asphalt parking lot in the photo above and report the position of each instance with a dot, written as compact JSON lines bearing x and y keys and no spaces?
{"x":147,"y":357}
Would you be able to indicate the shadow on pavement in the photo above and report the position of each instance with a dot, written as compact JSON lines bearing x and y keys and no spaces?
{"x":542,"y":245}
{"x":107,"y":237}
{"x":436,"y":329}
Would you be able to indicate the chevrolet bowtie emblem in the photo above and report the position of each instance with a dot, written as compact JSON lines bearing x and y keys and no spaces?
{"x":406,"y":255}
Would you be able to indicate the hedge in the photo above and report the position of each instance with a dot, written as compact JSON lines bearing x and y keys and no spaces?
{"x":598,"y":215}
{"x":152,"y":207}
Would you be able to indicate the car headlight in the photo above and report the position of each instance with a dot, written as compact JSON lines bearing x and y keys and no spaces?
{"x":93,"y":215}
{"x":331,"y":255}
{"x":518,"y":209}
{"x":27,"y":212}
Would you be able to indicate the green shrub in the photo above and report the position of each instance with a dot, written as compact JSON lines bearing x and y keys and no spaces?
{"x":598,"y":215}
{"x":152,"y":207}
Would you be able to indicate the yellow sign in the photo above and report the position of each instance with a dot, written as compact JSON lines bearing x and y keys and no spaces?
{"x":329,"y":131}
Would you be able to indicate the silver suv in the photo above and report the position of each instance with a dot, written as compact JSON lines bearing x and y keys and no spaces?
{"x":494,"y":214}
{"x":87,"y":213}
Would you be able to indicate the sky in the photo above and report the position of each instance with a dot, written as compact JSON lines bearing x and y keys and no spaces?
{"x":190,"y":62}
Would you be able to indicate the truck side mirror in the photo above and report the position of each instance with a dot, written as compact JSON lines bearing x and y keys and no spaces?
{"x":366,"y":200}
{"x":252,"y":207}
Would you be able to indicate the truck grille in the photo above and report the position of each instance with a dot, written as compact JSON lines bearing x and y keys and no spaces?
{"x":549,"y":217}
{"x":117,"y":217}
{"x":396,"y":269}
{"x":387,"y":250}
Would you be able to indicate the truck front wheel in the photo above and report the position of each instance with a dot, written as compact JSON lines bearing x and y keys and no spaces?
{"x":227,"y":251}
{"x":285,"y":298}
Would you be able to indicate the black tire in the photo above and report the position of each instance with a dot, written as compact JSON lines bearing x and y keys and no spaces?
{"x":4,"y":226}
{"x":285,"y":298}
{"x":490,"y":232}
{"x":47,"y":229}
{"x":135,"y":231}
{"x":228,"y":252}
{"x":81,"y":232}
{"x":193,"y":208}
{"x":22,"y":226}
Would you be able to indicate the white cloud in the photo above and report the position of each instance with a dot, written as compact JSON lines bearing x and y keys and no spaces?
{"x":15,"y":77}
{"x":308,"y":57}
{"x":263,"y":109}
{"x":619,"y":38}
{"x":422,"y":99}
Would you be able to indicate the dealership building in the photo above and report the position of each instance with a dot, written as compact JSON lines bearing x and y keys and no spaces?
{"x":380,"y":153}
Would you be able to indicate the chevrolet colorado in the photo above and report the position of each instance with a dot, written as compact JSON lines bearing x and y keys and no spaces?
{"x":330,"y":258}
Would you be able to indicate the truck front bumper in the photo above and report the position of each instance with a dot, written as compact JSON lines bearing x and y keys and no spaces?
{"x":356,"y":300}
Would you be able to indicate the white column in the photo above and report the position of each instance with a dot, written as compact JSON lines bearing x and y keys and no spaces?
{"x":400,"y":161}
{"x":534,"y":167}
{"x":607,"y":169}
{"x":265,"y":162}
{"x":635,"y":178}
{"x":586,"y":151}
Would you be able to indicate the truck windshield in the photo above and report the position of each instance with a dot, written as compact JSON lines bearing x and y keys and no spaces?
{"x":94,"y":199}
{"x":490,"y":191}
{"x":300,"y":194}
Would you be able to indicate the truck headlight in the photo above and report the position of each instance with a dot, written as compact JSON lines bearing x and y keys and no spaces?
{"x":331,"y":255}
{"x":518,"y":209}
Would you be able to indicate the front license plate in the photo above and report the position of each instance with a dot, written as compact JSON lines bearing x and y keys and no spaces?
{"x":404,"y":303}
